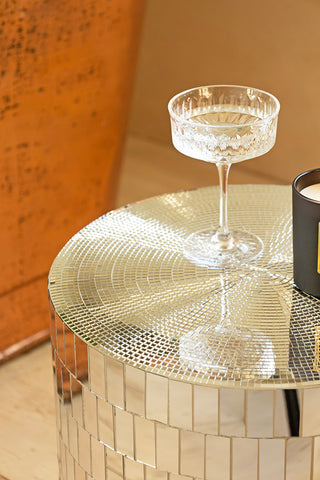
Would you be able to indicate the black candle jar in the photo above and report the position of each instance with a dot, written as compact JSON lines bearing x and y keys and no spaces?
{"x":306,"y":234}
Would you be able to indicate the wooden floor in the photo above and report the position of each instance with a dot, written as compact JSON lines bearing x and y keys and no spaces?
{"x":27,"y":417}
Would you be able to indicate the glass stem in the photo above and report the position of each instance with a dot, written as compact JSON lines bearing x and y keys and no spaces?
{"x":223,"y":230}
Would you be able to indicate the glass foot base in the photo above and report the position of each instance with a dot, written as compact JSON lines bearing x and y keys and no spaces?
{"x":205,"y":250}
{"x":228,"y":352}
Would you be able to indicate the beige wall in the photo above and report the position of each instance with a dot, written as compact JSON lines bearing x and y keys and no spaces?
{"x":273,"y":45}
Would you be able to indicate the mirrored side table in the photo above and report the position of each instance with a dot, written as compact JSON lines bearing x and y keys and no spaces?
{"x":149,"y":386}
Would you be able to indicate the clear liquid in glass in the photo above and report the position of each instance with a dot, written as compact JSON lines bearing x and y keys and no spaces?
{"x":228,"y":133}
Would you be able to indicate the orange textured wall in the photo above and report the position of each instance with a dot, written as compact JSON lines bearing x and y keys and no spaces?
{"x":66,"y":73}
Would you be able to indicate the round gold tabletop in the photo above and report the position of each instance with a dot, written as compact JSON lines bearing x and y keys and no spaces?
{"x":124,"y":286}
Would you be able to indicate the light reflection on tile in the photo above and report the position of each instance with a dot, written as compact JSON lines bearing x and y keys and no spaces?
{"x":97,"y":373}
{"x":157,"y":398}
{"x":298,"y":458}
{"x":124,"y":432}
{"x":90,"y":412}
{"x":84,"y":449}
{"x":145,"y":441}
{"x":180,"y":404}
{"x":232,"y":412}
{"x":135,"y":390}
{"x":281,"y":425}
{"x":311,"y":412}
{"x":244,"y":459}
{"x":115,"y":382}
{"x":260,"y":413}
{"x":153,"y":474}
{"x":73,"y":437}
{"x":133,"y":470}
{"x":105,"y":423}
{"x":114,"y":463}
{"x":76,"y":401}
{"x":167,"y":448}
{"x":192,"y":454}
{"x":98,"y":459}
{"x":205,"y":409}
{"x":217,"y":458}
{"x":316,"y":459}
{"x":271,"y":459}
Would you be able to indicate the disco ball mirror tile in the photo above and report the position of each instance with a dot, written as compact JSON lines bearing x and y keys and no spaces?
{"x":124,"y":286}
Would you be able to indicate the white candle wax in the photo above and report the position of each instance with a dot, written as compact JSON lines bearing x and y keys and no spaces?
{"x":312,"y":191}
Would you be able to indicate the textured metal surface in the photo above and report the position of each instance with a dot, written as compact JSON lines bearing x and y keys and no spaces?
{"x":123,"y":286}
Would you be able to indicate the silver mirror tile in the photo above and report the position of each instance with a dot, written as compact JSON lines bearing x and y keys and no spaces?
{"x":281,"y":424}
{"x":73,"y":437}
{"x":65,"y":380}
{"x":167,"y":445}
{"x":133,"y":470}
{"x":145,"y":441}
{"x":157,"y":389}
{"x":311,"y":412}
{"x":244,"y":459}
{"x":205,"y":409}
{"x":180,"y":405}
{"x":115,"y":382}
{"x":76,"y":400}
{"x":232,"y":412}
{"x":251,"y":413}
{"x":64,"y":423}
{"x":218,"y":463}
{"x":124,"y":433}
{"x":84,"y":449}
{"x":70,"y":350}
{"x":62,"y":461}
{"x":69,"y":466}
{"x":192,"y":454}
{"x":174,"y":476}
{"x":114,"y":465}
{"x":105,"y":423}
{"x":260,"y":413}
{"x":58,"y":377}
{"x":204,"y":457}
{"x":97,"y":372}
{"x":81,"y":354}
{"x":60,"y":339}
{"x":272,"y":459}
{"x":53,"y":331}
{"x":316,"y":459}
{"x":58,"y":412}
{"x":90,"y":412}
{"x":135,"y":390}
{"x":79,"y":474}
{"x":98,"y":460}
{"x":153,"y":474}
{"x":299,"y":455}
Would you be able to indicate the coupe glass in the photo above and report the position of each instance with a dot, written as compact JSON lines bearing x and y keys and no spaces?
{"x":223,"y":124}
